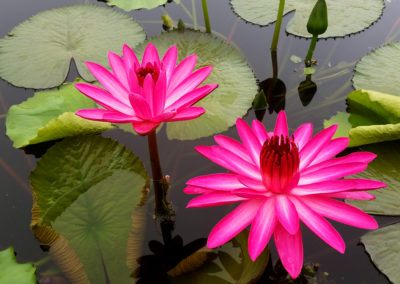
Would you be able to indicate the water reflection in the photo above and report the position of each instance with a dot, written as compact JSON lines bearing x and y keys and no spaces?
{"x":307,"y":90}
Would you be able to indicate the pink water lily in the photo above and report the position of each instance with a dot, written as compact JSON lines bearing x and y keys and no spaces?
{"x":280,"y":181}
{"x":148,"y":93}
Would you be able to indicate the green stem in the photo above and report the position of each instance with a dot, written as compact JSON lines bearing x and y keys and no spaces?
{"x":160,"y":184}
{"x":274,"y":44}
{"x":206,"y":18}
{"x":311,"y":50}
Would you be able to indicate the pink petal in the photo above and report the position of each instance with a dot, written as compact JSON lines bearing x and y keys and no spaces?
{"x":340,"y":212}
{"x":229,"y":161}
{"x":360,"y":195}
{"x":366,"y":184}
{"x":105,"y":115}
{"x":259,"y":131}
{"x":148,"y":93}
{"x":262,"y":228}
{"x":166,"y":116}
{"x":192,"y":97}
{"x":314,"y":146}
{"x":188,"y":84}
{"x":233,"y":146}
{"x":214,"y":199}
{"x":256,"y":185}
{"x":324,"y":187}
{"x":302,"y":135}
{"x":331,"y":173}
{"x":249,"y":140}
{"x":160,"y":92}
{"x":133,"y":82}
{"x":109,"y":82}
{"x":118,"y":68}
{"x":130,"y":60}
{"x":233,"y":223}
{"x":220,"y":181}
{"x":319,"y":225}
{"x":120,"y":118}
{"x":188,"y":113}
{"x":290,"y":250}
{"x":103,"y":98}
{"x":145,"y":127}
{"x":150,"y":55}
{"x":331,"y":149}
{"x":182,"y":71}
{"x":196,"y":190}
{"x":169,"y":61}
{"x":281,"y":127}
{"x":140,"y":106}
{"x":286,"y":213}
{"x":251,"y":194}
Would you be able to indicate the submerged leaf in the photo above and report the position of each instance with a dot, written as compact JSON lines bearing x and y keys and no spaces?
{"x":12,"y":272}
{"x":379,"y":70}
{"x":50,"y":115}
{"x":237,"y":85}
{"x":37,"y":53}
{"x":129,"y":5}
{"x":345,"y":17}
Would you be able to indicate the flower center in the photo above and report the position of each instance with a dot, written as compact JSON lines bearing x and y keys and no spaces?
{"x":142,"y":72}
{"x":279,"y":160}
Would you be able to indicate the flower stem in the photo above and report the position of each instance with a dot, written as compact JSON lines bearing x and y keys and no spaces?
{"x":274,"y":44}
{"x":161,"y":185}
{"x":311,"y":50}
{"x":205,"y":14}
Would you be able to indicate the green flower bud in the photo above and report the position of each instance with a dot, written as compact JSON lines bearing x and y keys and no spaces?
{"x":318,"y":21}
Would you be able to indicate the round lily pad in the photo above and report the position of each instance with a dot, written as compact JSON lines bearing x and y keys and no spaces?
{"x":379,"y":70}
{"x":344,"y":17}
{"x":37,"y":53}
{"x":129,"y":5}
{"x":237,"y":85}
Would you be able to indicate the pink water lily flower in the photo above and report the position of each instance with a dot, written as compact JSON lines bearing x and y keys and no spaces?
{"x":280,"y":181}
{"x":148,"y":93}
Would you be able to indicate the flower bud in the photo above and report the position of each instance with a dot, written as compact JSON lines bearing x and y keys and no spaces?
{"x":318,"y":21}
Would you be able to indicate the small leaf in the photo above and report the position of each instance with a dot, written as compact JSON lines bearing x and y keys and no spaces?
{"x":295,"y":59}
{"x":37,"y":53}
{"x":50,"y":115}
{"x":12,"y":272}
{"x":309,"y":71}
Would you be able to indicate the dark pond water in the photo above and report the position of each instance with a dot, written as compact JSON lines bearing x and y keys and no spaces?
{"x":178,"y":157}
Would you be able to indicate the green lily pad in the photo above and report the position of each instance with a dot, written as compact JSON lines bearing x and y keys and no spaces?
{"x":13,"y":272}
{"x":231,"y":265}
{"x":237,"y":85}
{"x":384,"y":168}
{"x":50,"y":115}
{"x":379,"y":70}
{"x":344,"y":17}
{"x":373,"y":117}
{"x":37,"y":53}
{"x":384,"y":248}
{"x":129,"y":5}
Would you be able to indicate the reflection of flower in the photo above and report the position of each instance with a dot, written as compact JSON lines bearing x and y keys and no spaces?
{"x":146,"y":94}
{"x":279,"y":181}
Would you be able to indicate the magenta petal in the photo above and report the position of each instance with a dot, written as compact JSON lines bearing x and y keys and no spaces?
{"x":130,"y":60}
{"x":93,"y":114}
{"x":140,"y":106}
{"x":115,"y":117}
{"x":251,"y":194}
{"x":332,"y":148}
{"x":118,"y":68}
{"x":220,"y":181}
{"x":262,"y":228}
{"x":290,"y":250}
{"x":192,"y":97}
{"x":281,"y":127}
{"x":233,"y":146}
{"x":148,"y":93}
{"x":106,"y":115}
{"x":319,"y":225}
{"x":214,"y":199}
{"x":286,"y":213}
{"x":366,"y":184}
{"x":109,"y":82}
{"x":259,"y":131}
{"x":196,"y":190}
{"x":150,"y":55}
{"x":187,"y":113}
{"x":249,"y":141}
{"x":187,"y":85}
{"x":233,"y":223}
{"x":182,"y":71}
{"x":324,"y":187}
{"x":162,"y":117}
{"x":169,"y":61}
{"x":360,"y":195}
{"x":145,"y":127}
{"x":103,"y":98}
{"x":341,"y":212}
{"x":256,"y":185}
{"x":302,"y":135}
{"x":160,"y":92}
{"x":314,"y":146}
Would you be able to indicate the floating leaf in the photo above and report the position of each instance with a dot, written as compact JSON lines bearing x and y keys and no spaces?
{"x":373,"y":117}
{"x":50,"y":115}
{"x":232,"y":265}
{"x":88,"y":188}
{"x":12,"y":272}
{"x":295,"y":59}
{"x":129,"y":5}
{"x":344,"y":17}
{"x":384,"y":248}
{"x":379,"y":70}
{"x":37,"y":53}
{"x":384,"y":168}
{"x":236,"y":82}
{"x":309,"y":70}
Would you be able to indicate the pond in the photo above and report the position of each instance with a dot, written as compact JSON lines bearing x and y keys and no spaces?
{"x":93,"y":231}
